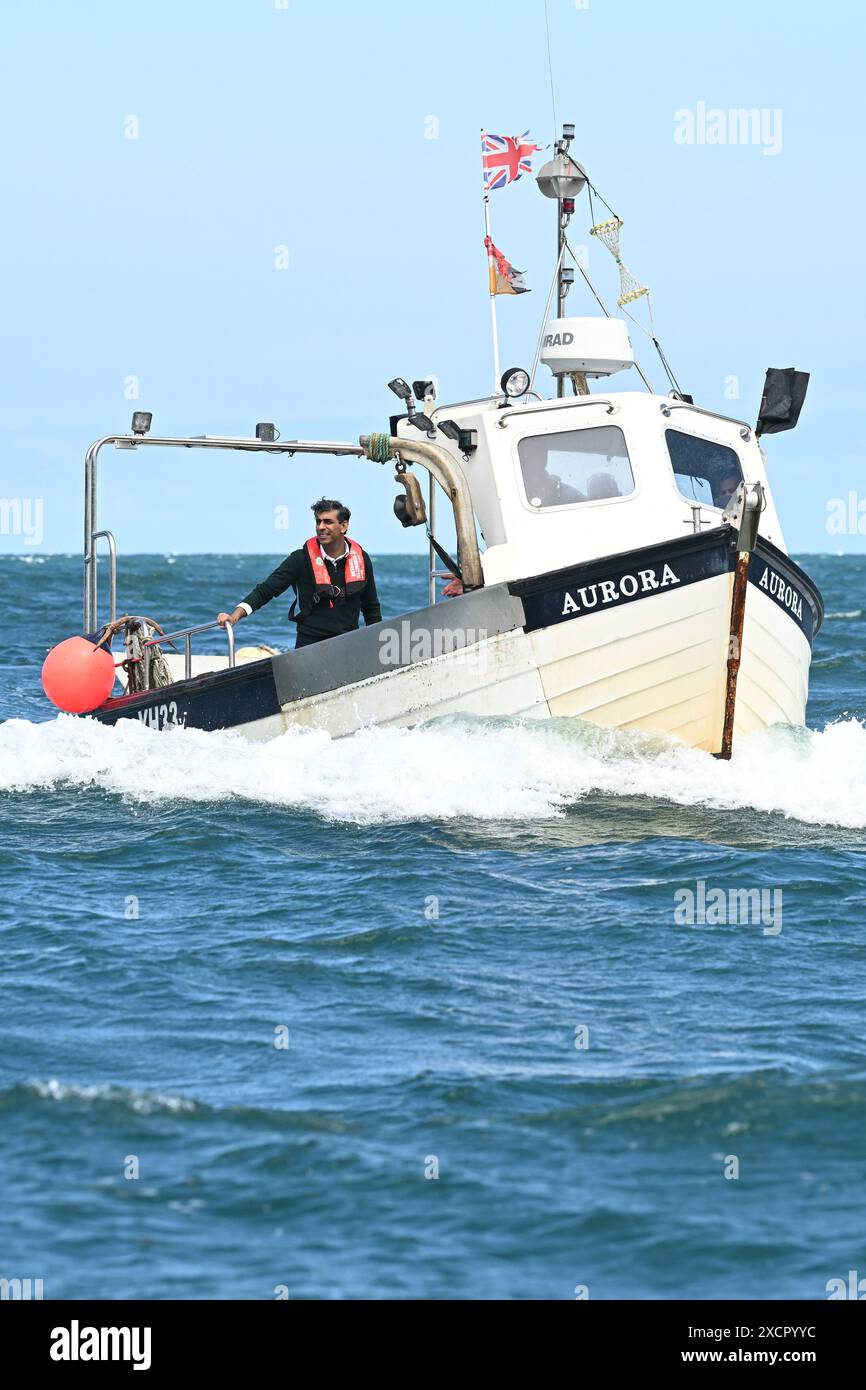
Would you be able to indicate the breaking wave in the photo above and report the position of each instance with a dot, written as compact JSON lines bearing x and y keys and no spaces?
{"x":123,"y":1097}
{"x":483,"y":769}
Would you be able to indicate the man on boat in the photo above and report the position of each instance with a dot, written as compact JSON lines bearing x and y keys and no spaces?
{"x":332,"y":578}
{"x":545,"y":489}
{"x":725,"y":488}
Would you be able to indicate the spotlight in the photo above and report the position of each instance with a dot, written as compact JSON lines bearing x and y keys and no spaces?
{"x":515,"y":382}
{"x":401,"y":388}
{"x":266,"y":432}
{"x":141,"y":421}
{"x":424,"y":390}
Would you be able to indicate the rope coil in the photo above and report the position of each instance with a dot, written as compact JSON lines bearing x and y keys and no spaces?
{"x":379,"y":448}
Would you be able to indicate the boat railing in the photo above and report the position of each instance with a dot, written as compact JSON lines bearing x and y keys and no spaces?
{"x":666,"y":406}
{"x":187,"y":633}
{"x":112,"y":573}
{"x":441,"y":465}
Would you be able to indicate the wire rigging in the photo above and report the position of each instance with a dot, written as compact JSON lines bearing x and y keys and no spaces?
{"x":604,"y":309}
{"x":631,"y":287}
{"x":550,"y":68}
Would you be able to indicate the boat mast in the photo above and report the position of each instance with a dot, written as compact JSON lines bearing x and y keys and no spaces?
{"x":562,"y":178}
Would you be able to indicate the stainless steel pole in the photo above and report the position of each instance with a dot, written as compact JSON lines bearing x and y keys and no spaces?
{"x":431,"y":553}
{"x":560,"y":297}
{"x":86,"y":551}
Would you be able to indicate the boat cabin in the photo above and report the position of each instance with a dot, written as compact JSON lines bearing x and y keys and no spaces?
{"x":559,"y":482}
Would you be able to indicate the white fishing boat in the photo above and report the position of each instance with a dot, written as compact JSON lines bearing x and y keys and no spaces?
{"x":620,"y":551}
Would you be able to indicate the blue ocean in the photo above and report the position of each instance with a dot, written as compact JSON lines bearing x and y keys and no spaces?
{"x":411,"y":1014}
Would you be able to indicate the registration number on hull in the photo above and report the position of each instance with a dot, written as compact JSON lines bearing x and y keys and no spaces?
{"x":159,"y":716}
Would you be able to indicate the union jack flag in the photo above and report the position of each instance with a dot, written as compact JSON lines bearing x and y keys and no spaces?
{"x":505,"y":157}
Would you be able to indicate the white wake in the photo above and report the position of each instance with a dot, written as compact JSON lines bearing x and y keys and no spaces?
{"x":482,"y":769}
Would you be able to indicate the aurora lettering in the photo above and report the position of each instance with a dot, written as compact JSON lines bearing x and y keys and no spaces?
{"x":611,"y":591}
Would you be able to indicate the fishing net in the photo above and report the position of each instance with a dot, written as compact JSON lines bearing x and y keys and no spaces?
{"x":608,"y":234}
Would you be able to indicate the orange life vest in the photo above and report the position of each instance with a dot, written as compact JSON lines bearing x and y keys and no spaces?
{"x":356,"y":571}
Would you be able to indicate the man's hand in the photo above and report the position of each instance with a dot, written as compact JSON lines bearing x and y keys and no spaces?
{"x":453,"y":589}
{"x":235,"y":617}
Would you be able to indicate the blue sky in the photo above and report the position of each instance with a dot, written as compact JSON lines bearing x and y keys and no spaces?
{"x":308,"y":126}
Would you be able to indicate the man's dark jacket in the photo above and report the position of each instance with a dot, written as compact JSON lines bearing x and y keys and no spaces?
{"x":319,"y":619}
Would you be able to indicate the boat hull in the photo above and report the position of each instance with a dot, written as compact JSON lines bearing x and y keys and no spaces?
{"x":635,"y":641}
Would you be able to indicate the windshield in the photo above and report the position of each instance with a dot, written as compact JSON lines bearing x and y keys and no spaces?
{"x":590,"y":465}
{"x":705,"y":471}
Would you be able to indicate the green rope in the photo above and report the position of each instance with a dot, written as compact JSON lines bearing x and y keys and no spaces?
{"x":379,"y":448}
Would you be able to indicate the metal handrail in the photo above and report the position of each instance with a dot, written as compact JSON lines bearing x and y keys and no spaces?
{"x":112,"y":574}
{"x":439,"y":463}
{"x":666,"y":406}
{"x":187,"y":633}
{"x":506,"y":416}
{"x":431,"y":553}
{"x":137,"y":441}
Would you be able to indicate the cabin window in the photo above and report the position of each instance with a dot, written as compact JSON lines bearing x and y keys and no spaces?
{"x":705,"y":471}
{"x":590,"y":465}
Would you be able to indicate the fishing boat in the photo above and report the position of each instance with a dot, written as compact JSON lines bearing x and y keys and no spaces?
{"x":619,"y":551}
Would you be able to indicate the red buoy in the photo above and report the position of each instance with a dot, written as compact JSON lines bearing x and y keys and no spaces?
{"x":77,"y":676}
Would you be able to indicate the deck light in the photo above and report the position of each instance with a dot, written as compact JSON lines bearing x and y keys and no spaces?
{"x":466,"y":440}
{"x":402,"y":389}
{"x":422,"y":423}
{"x":561,"y":177}
{"x":141,"y":421}
{"x":424,"y":390}
{"x":515,"y":382}
{"x":266,"y":432}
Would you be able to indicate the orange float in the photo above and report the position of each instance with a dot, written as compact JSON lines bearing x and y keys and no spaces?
{"x":77,"y":676}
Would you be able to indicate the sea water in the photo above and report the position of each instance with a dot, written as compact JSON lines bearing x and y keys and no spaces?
{"x":480,"y":1009}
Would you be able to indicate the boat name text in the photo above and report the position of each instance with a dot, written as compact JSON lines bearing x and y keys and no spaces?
{"x":611,"y":591}
{"x":785,"y":593}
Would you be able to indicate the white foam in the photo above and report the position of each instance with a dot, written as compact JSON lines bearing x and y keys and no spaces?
{"x":142,"y":1102}
{"x":483,"y":769}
